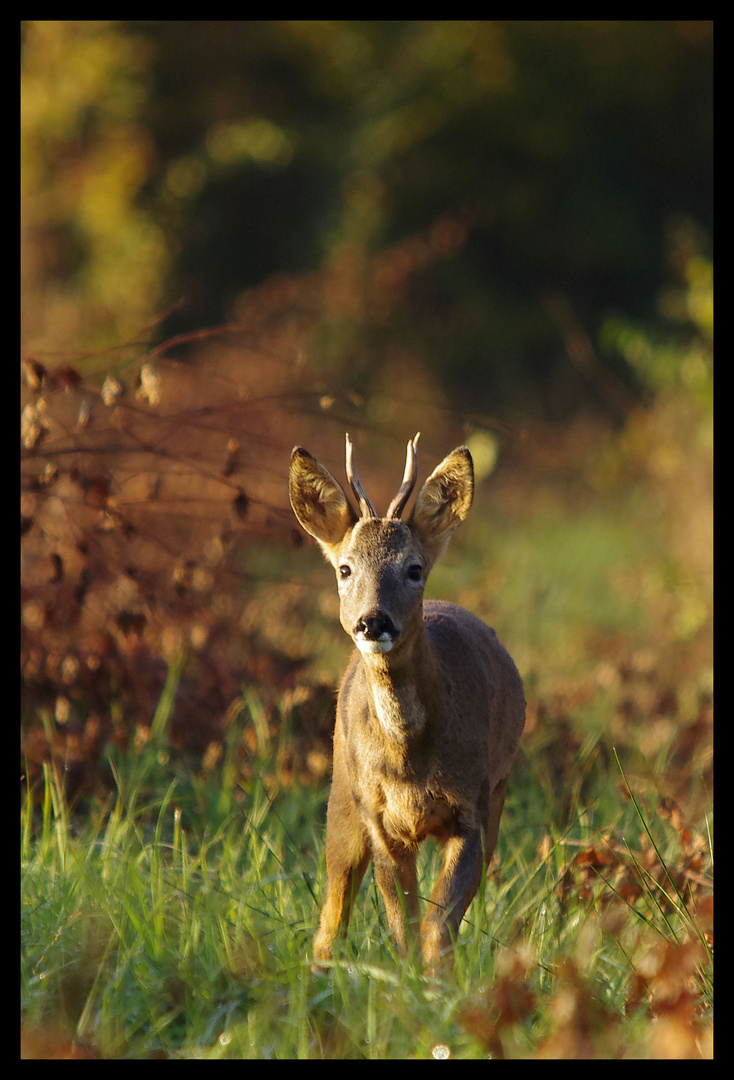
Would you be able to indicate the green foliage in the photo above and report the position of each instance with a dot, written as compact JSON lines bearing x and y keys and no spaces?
{"x":682,"y":361}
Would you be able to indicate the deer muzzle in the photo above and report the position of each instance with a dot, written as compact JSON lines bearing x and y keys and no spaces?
{"x":375,"y":633}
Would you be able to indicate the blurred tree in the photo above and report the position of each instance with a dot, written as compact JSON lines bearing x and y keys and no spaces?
{"x":94,"y":264}
{"x":549,"y":154}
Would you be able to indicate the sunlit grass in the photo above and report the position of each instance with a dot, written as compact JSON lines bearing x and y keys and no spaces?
{"x":171,"y":922}
{"x":142,"y":931}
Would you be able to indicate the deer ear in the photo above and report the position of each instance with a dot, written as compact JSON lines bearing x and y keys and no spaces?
{"x":318,"y":501}
{"x":444,"y":501}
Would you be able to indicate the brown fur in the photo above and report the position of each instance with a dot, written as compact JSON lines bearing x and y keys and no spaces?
{"x":429,"y":712}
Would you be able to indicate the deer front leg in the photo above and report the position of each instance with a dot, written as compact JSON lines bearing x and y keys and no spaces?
{"x":396,"y":878}
{"x":454,"y":891}
{"x":347,"y":856}
{"x":343,"y":886}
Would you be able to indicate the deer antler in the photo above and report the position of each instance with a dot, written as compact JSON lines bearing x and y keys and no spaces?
{"x":366,"y":509}
{"x":410,"y":476}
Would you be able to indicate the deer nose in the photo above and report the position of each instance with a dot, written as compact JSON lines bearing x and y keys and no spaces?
{"x":376,"y":626}
{"x":375,"y":633}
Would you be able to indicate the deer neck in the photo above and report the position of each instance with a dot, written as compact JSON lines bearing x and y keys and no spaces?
{"x":403,"y":692}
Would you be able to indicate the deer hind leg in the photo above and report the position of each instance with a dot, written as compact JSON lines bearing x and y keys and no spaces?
{"x":496,"y":802}
{"x":458,"y":883}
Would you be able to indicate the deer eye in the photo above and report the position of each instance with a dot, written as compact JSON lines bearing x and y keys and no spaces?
{"x":415,"y":572}
{"x":344,"y":571}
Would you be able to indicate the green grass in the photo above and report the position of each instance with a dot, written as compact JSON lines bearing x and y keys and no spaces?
{"x":176,"y":920}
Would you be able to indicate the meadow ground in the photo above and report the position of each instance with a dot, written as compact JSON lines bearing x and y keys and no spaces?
{"x":171,"y":914}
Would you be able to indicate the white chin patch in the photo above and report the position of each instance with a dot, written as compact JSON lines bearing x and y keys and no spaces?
{"x":367,"y":646}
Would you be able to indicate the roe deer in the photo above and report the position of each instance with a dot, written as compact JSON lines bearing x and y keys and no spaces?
{"x":430,"y":708}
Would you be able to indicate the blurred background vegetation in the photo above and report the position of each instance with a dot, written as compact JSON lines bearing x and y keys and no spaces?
{"x":238,"y":235}
{"x":550,"y":170}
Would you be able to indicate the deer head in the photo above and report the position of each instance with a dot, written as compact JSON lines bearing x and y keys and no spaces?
{"x":381,"y":564}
